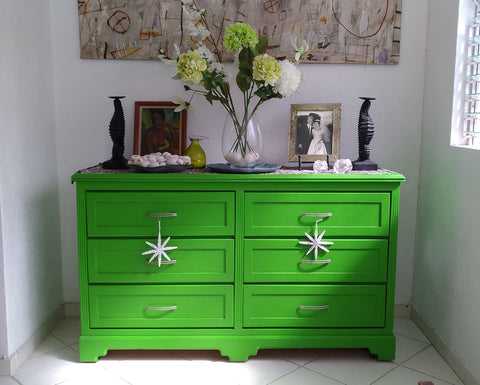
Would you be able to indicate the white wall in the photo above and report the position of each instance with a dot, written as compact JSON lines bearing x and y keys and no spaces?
{"x":29,"y":185}
{"x":3,"y":305}
{"x":84,"y":111}
{"x":447,"y":288}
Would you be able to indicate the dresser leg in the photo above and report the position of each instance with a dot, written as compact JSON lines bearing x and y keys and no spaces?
{"x":384,"y":349}
{"x":90,"y":350}
{"x":239,"y":352}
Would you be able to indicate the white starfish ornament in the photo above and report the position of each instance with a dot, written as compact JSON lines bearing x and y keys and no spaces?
{"x":316,"y":242}
{"x":159,"y":250}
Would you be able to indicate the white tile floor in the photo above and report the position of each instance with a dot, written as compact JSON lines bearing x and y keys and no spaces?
{"x":56,"y":362}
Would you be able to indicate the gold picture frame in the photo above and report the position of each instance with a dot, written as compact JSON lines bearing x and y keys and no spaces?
{"x":314,"y":131}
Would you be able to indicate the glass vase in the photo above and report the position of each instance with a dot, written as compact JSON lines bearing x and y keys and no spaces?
{"x":195,"y":152}
{"x":242,"y":143}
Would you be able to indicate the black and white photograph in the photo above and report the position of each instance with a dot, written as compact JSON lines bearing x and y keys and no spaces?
{"x":314,"y":131}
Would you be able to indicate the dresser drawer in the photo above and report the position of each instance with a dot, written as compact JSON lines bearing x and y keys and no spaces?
{"x":156,"y":306}
{"x":284,"y":260}
{"x":352,"y":214}
{"x":195,"y":261}
{"x":125,"y":213}
{"x":315,"y":306}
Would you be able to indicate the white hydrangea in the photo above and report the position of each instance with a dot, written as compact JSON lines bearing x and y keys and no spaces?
{"x":205,"y":53}
{"x":289,"y":80}
{"x":216,"y":66}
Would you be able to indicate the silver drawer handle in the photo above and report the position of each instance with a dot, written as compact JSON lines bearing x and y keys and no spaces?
{"x":161,"y":215}
{"x":316,"y":262}
{"x":161,"y":308}
{"x":324,"y":307}
{"x":321,"y":216}
{"x":317,"y":215}
{"x":171,"y":262}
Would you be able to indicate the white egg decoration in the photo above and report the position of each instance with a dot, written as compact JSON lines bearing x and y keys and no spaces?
{"x":158,"y":159}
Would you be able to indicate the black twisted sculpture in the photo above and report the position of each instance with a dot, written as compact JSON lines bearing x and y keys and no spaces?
{"x":366,"y":130}
{"x":117,"y":133}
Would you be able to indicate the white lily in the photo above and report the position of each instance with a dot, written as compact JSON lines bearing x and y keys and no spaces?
{"x":182,"y":104}
{"x":167,"y":60}
{"x":299,"y":50}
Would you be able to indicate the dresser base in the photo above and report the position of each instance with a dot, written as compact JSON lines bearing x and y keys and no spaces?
{"x":236,"y":348}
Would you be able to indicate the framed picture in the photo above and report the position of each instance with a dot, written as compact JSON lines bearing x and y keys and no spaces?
{"x":159,"y":128}
{"x":314,"y":131}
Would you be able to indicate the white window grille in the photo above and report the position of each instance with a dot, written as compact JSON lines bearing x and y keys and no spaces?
{"x":471,"y":127}
{"x":465,"y":128}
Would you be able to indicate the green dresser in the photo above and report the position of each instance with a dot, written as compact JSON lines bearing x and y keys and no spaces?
{"x":239,"y":279}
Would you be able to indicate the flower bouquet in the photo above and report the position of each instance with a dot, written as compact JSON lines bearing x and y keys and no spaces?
{"x":260,"y":77}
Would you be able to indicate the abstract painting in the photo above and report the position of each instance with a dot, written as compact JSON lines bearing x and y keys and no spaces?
{"x":337,"y":31}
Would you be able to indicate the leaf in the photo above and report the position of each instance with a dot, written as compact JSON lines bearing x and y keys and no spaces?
{"x":217,"y":81}
{"x":207,"y":81}
{"x":242,"y":82}
{"x":266,"y":92}
{"x":177,"y":76}
{"x":262,"y":45}
{"x":245,"y":58}
{"x":224,"y":87}
{"x":209,"y":97}
{"x":247,"y":74}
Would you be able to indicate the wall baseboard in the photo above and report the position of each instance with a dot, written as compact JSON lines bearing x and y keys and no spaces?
{"x":402,"y":311}
{"x":448,"y":355}
{"x":9,"y":365}
{"x":72,"y":309}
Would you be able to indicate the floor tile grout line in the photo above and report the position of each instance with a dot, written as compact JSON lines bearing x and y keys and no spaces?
{"x":383,"y":375}
{"x":116,"y":375}
{"x":278,"y":378}
{"x":293,"y":362}
{"x":414,"y":354}
{"x":324,"y":375}
{"x":425,"y":348}
{"x":426,"y":340}
{"x":430,"y":375}
{"x":16,"y":380}
{"x":40,"y":355}
{"x":31,"y":356}
{"x":61,"y":340}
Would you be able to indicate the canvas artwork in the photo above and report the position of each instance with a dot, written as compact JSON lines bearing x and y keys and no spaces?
{"x":337,"y":31}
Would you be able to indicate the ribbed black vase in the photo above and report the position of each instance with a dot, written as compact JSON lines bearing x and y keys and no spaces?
{"x":366,"y":130}
{"x":117,"y":133}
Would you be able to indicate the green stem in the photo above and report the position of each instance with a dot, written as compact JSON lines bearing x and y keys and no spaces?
{"x":259,"y":103}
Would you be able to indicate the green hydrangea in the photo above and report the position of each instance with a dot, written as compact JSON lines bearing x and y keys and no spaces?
{"x":266,"y":68}
{"x":190,"y":66}
{"x":239,"y":35}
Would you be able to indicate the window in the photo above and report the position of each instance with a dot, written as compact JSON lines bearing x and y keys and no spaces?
{"x":466,"y":107}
